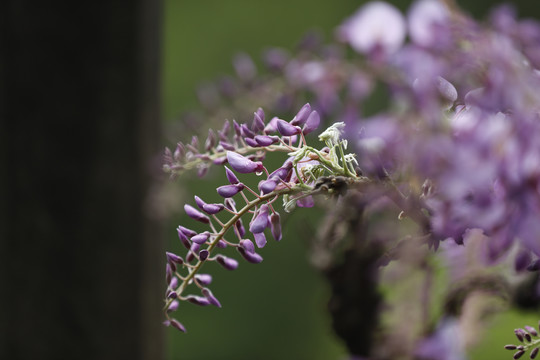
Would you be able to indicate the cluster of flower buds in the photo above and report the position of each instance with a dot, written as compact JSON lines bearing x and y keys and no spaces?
{"x":294,"y":181}
{"x":528,"y":336}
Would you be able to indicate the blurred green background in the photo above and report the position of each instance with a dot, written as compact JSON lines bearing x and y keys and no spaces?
{"x":275,"y":310}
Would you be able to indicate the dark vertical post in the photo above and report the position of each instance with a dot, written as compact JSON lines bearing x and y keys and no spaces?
{"x":80,"y":255}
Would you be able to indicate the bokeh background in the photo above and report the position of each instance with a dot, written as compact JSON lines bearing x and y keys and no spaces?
{"x":275,"y":310}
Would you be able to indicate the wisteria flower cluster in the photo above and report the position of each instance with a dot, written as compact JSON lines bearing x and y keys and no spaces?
{"x":307,"y":171}
{"x":445,"y":165}
{"x":529,"y":339}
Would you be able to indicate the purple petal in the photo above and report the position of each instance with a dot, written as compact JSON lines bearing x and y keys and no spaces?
{"x":203,"y":279}
{"x":220,"y":160}
{"x":287,"y":129}
{"x":247,"y":245}
{"x":253,"y":258}
{"x":210,"y":140}
{"x":242,"y":164}
{"x":302,"y":115}
{"x":275,"y":226}
{"x":226,"y":262}
{"x":196,"y":214}
{"x":231,"y":176}
{"x":210,"y":297}
{"x":168,"y":273}
{"x":260,"y":240}
{"x":282,"y":173}
{"x":271,"y":127}
{"x":228,"y":191}
{"x":174,"y":283}
{"x":312,"y":122}
{"x":261,"y":221}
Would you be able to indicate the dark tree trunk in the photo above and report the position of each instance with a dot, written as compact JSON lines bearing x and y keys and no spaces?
{"x":79,"y":109}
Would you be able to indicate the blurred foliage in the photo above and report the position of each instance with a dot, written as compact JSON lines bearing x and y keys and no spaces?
{"x":276,"y":310}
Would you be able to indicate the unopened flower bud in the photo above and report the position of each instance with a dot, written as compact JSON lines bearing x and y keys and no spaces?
{"x":203,"y":279}
{"x":226,"y":262}
{"x":203,"y":255}
{"x":275,"y":226}
{"x":260,"y":239}
{"x":247,"y":245}
{"x":519,"y":334}
{"x":510,"y":347}
{"x":266,"y":140}
{"x":242,"y":164}
{"x":196,"y":214}
{"x":183,"y":238}
{"x":531,"y":330}
{"x":301,"y":116}
{"x":176,"y":324}
{"x":198,"y":300}
{"x":533,"y":353}
{"x":168,"y":273}
{"x":210,"y":297}
{"x":253,"y":258}
{"x":261,"y":220}
{"x":287,"y":129}
{"x":200,"y":238}
{"x":312,"y":122}
{"x":267,"y":186}
{"x":519,"y":354}
{"x":251,"y":142}
{"x":258,"y":122}
{"x":173,"y":258}
{"x":228,"y":191}
{"x":173,"y":306}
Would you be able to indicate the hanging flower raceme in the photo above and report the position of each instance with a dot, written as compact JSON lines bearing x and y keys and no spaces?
{"x":245,"y":153}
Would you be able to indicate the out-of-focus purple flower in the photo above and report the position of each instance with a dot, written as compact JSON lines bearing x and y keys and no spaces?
{"x":244,"y":66}
{"x":196,"y":214}
{"x":523,"y":260}
{"x":228,"y":191}
{"x":444,"y":344}
{"x":375,"y":26}
{"x":242,"y":164}
{"x":427,"y":20}
{"x":226,"y":262}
